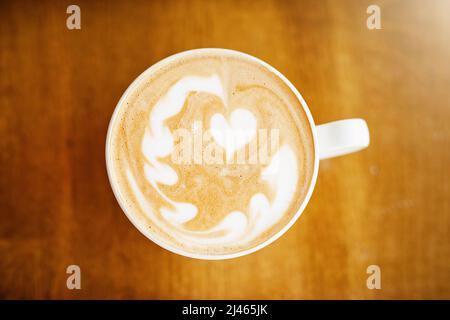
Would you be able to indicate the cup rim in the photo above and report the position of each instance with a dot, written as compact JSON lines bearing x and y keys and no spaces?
{"x":144,"y":230}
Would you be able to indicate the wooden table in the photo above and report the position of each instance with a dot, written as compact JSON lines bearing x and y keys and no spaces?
{"x":388,"y":205}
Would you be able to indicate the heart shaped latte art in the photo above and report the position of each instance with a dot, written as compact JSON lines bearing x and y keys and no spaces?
{"x":235,"y":133}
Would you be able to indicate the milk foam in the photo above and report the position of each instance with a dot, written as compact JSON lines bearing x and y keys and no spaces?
{"x":213,"y":208}
{"x":239,"y":132}
{"x":158,"y":143}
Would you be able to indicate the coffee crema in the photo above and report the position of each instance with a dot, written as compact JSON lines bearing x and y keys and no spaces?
{"x":211,"y":153}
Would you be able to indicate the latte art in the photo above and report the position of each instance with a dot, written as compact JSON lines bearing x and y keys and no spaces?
{"x":212,"y":154}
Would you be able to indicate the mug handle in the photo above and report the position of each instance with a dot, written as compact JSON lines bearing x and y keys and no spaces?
{"x":342,"y":137}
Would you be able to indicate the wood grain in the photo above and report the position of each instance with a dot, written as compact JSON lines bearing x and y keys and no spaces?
{"x":388,"y":205}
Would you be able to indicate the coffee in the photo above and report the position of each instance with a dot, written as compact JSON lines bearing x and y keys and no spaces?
{"x":211,"y":153}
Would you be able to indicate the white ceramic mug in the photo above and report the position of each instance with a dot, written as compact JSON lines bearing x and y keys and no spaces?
{"x":330,"y":140}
